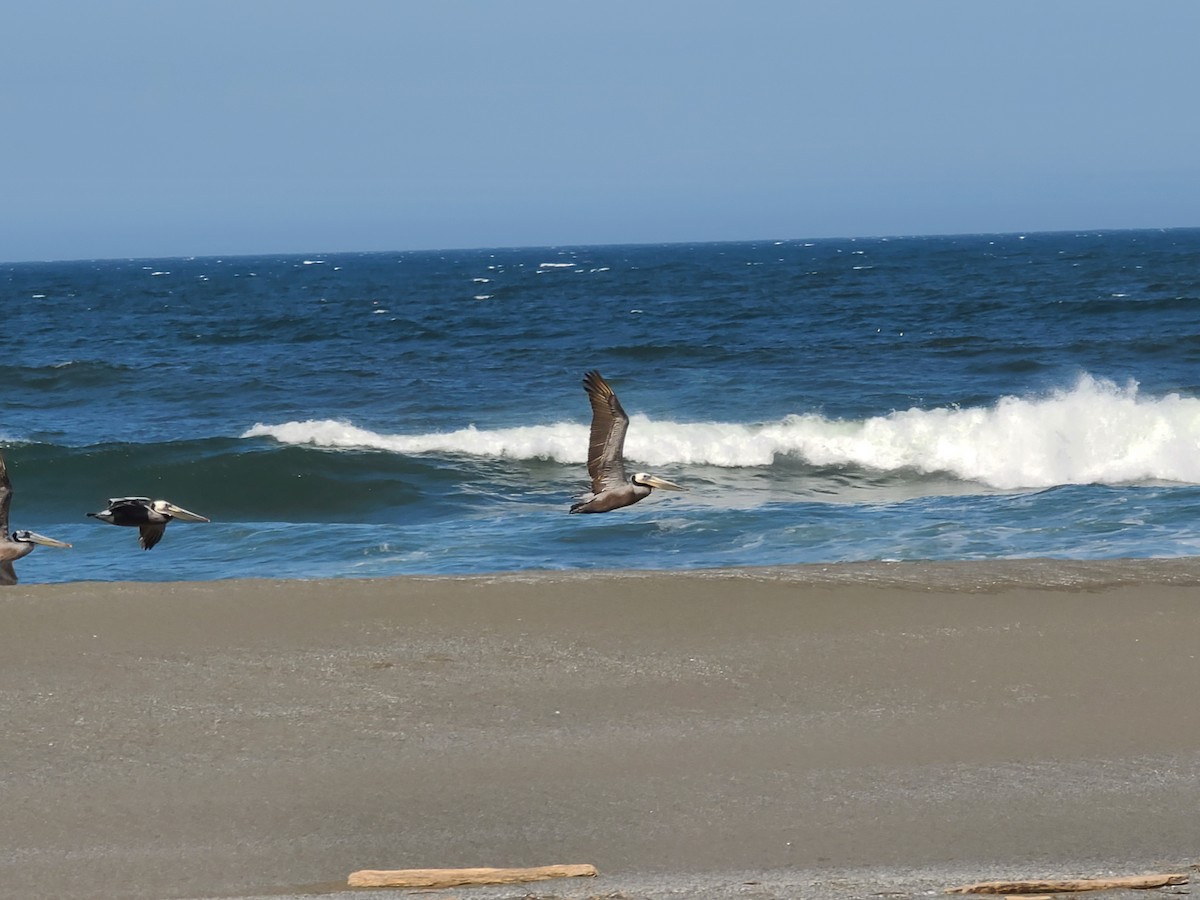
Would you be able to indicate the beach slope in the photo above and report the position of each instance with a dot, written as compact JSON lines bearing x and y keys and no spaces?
{"x":842,"y":729}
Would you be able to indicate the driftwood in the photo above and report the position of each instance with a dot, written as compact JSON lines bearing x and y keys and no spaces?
{"x":441,"y":878}
{"x":1137,"y":882}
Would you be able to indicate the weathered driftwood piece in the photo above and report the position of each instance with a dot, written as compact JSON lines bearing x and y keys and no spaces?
{"x":1137,"y":882}
{"x":441,"y":878}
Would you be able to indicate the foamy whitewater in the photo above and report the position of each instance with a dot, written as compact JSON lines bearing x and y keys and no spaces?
{"x":1093,"y":433}
{"x":422,"y":413}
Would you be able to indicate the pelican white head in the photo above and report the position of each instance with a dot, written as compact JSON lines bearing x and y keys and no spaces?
{"x":654,"y":481}
{"x":32,"y":537}
{"x":177,"y":512}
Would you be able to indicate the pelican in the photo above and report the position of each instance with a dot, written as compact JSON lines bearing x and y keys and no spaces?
{"x":150,"y":516}
{"x":19,"y":543}
{"x":606,"y":461}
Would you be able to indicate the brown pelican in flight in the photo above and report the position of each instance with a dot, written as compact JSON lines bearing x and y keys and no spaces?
{"x":150,"y":516}
{"x":19,"y":543}
{"x":606,"y":462}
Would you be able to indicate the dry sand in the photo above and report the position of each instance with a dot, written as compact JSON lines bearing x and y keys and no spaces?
{"x":817,"y":732}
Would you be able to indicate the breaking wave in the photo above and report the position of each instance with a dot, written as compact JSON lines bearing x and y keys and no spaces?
{"x":1095,"y":432}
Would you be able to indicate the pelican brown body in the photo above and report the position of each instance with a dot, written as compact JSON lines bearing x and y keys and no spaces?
{"x":19,"y":543}
{"x":606,"y":455}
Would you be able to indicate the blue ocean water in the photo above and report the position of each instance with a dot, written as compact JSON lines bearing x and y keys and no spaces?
{"x":352,"y":415}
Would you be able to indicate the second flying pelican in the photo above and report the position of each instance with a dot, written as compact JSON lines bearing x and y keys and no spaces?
{"x":606,"y":455}
{"x":149,"y":516}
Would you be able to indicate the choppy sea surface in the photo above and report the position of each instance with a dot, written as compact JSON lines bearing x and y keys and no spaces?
{"x":353,"y":415}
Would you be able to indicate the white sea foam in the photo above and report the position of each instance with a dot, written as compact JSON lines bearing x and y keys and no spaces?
{"x":1095,"y":432}
{"x":532,"y":442}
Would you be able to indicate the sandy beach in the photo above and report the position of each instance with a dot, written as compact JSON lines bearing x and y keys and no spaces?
{"x":816,"y":732}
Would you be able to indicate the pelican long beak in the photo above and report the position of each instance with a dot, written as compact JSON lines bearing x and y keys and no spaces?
{"x":178,"y":512}
{"x":656,"y":482}
{"x":35,"y":538}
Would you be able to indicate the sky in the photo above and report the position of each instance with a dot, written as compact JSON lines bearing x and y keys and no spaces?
{"x":160,"y":128}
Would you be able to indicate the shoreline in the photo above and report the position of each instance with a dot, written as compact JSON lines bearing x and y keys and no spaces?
{"x":971,"y":575}
{"x":826,"y":730}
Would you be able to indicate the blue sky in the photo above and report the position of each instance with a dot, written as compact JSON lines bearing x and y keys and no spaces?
{"x":174,"y":129}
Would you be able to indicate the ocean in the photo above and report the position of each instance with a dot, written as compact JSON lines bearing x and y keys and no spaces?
{"x":372,"y":414}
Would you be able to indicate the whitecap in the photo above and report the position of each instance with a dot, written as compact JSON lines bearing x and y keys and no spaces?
{"x":561,"y":441}
{"x":1092,"y":433}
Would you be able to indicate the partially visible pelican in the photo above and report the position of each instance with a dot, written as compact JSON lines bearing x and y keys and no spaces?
{"x":19,"y":543}
{"x":606,"y":460}
{"x":150,"y":516}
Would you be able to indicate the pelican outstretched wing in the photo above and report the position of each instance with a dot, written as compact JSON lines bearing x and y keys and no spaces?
{"x":606,"y":447}
{"x":5,"y":499}
{"x":151,"y":534}
{"x":128,"y":501}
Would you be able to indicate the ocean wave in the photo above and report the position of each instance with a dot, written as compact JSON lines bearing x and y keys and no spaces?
{"x":227,"y":479}
{"x":67,"y":374}
{"x":555,"y":442}
{"x":1095,"y":432}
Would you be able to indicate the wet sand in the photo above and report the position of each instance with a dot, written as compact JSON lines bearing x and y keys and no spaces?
{"x":816,"y":732}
